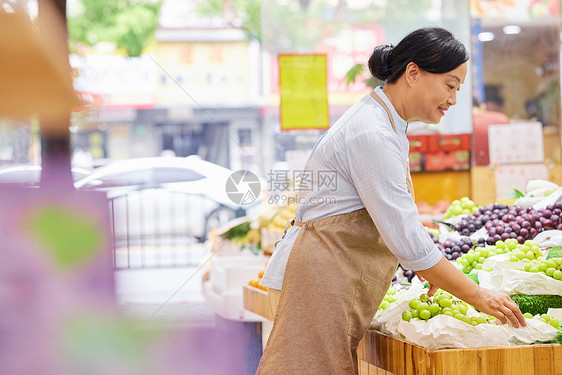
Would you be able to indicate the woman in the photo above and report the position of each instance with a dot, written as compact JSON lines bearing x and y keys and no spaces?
{"x":337,"y":261}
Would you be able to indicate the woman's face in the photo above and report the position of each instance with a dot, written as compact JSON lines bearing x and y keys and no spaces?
{"x":437,"y":93}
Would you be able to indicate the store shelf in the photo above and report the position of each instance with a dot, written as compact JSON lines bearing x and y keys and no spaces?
{"x":257,"y":301}
{"x":386,"y":355}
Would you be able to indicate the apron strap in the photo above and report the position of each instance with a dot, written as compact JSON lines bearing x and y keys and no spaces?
{"x":383,"y":104}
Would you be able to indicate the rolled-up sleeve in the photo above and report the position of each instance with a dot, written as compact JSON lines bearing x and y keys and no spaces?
{"x":377,"y":168}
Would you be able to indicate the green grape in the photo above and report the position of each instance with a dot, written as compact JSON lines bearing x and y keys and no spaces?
{"x":557,"y":275}
{"x":481,"y":319}
{"x":415,"y":313}
{"x":424,"y":297}
{"x":384,"y":305}
{"x":500,"y":244}
{"x":458,"y":316}
{"x":542,"y":267}
{"x":528,"y":315}
{"x":462,"y":308}
{"x":425,"y":314}
{"x":434,"y":309}
{"x":445,"y":303}
{"x":519,"y":254}
{"x":550,"y":263}
{"x":545,"y":318}
{"x":422,"y":306}
{"x":550,"y":272}
{"x":413,"y":303}
{"x":407,"y":315}
{"x":554,"y":322}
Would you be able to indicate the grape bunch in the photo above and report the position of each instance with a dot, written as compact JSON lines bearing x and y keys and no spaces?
{"x":545,"y":318}
{"x":475,"y":258}
{"x":481,"y":217}
{"x":408,"y":274}
{"x":459,"y":207}
{"x":454,"y":249}
{"x":503,"y":221}
{"x":388,"y":298}
{"x":549,"y":267}
{"x":425,"y":308}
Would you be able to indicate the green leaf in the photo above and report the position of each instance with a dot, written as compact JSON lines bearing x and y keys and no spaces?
{"x":238,"y":231}
{"x":355,"y":71}
{"x":516,"y":194}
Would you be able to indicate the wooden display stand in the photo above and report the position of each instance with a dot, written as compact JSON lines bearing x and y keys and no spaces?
{"x":386,"y":355}
{"x":380,"y":354}
{"x":257,"y":301}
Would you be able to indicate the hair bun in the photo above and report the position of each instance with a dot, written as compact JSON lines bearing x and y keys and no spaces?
{"x":379,"y":62}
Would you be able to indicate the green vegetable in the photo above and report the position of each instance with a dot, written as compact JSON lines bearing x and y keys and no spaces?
{"x":238,"y":231}
{"x":538,"y":304}
{"x":554,"y":252}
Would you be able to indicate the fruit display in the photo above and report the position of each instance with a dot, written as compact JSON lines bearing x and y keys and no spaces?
{"x":425,"y":308}
{"x":464,"y":206}
{"x":474,"y":259}
{"x":504,"y":221}
{"x":262,"y":232}
{"x":388,"y":298}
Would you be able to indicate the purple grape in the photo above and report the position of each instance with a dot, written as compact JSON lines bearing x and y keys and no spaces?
{"x":548,"y":224}
{"x":503,"y":237}
{"x":525,"y":224}
{"x":559,"y":227}
{"x":520,"y":239}
{"x":524,"y":232}
{"x":538,"y":225}
{"x":555,"y":219}
{"x":455,"y":255}
{"x":513,"y":235}
{"x":532,"y":232}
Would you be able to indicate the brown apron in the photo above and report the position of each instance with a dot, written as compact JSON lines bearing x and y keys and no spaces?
{"x":338,"y":272}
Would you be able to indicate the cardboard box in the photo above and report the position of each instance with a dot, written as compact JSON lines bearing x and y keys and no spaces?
{"x":418,"y":143}
{"x":449,"y":142}
{"x":447,"y":160}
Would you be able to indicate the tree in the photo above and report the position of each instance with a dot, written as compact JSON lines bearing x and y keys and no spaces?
{"x":246,"y":13}
{"x":130,"y":24}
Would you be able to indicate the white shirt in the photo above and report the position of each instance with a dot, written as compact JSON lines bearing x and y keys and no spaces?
{"x":369,"y":161}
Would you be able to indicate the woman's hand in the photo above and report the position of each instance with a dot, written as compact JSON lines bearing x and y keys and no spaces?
{"x":499,"y":305}
{"x":446,"y":276}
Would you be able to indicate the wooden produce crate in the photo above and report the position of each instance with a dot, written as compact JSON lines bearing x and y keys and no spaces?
{"x":386,"y":355}
{"x":257,"y":301}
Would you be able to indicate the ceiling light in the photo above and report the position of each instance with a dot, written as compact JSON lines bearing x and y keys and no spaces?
{"x":486,"y":36}
{"x":511,"y":29}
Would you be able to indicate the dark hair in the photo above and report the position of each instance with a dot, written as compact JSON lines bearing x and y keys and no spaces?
{"x":433,"y":49}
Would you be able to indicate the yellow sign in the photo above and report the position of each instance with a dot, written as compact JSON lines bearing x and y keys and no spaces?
{"x":303,"y":87}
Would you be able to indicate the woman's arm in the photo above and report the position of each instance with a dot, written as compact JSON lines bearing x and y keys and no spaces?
{"x":446,"y":276}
